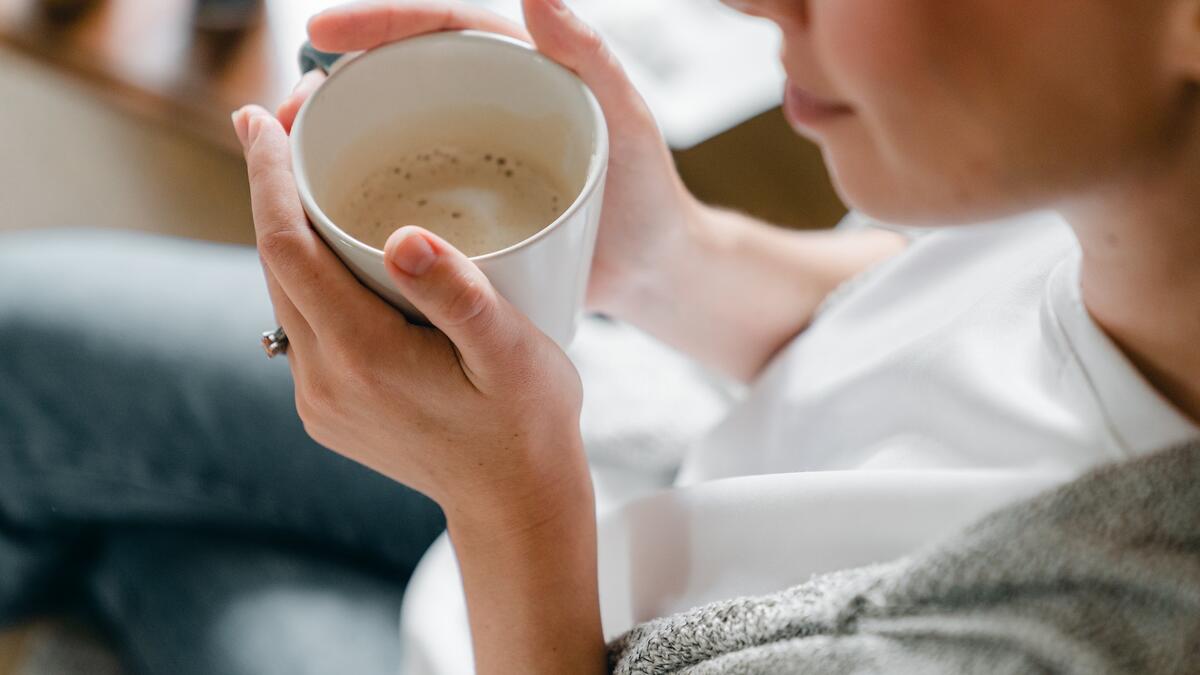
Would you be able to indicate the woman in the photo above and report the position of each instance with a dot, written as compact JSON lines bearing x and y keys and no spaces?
{"x":1034,"y":346}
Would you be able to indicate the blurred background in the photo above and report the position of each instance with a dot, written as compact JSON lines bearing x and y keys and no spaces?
{"x":115,"y":114}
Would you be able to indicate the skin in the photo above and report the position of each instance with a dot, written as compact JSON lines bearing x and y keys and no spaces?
{"x":946,"y":112}
{"x":970,"y":111}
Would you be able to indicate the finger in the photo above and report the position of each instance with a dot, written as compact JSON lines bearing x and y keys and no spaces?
{"x":286,"y":112}
{"x":321,"y":288}
{"x":364,"y":25}
{"x":301,"y":343}
{"x":286,"y":314}
{"x":560,"y":34}
{"x":456,"y":297}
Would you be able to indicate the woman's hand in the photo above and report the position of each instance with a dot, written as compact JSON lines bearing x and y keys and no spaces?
{"x":480,"y":414}
{"x":646,"y":207}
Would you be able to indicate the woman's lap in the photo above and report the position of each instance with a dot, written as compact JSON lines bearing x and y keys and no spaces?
{"x":195,"y":603}
{"x":134,"y":397}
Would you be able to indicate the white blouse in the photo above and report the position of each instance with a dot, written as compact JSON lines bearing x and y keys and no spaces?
{"x":956,"y":378}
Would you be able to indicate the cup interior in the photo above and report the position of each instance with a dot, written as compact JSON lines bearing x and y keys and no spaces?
{"x":467,"y":87}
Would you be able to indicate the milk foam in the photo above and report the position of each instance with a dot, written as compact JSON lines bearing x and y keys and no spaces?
{"x":478,"y":200}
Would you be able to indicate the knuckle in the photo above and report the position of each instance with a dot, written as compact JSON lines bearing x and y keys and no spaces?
{"x":318,"y":396}
{"x":310,"y":418}
{"x":304,"y":409}
{"x":260,"y":167}
{"x":449,"y":15}
{"x":592,"y":48}
{"x":279,"y":243}
{"x":469,"y":303}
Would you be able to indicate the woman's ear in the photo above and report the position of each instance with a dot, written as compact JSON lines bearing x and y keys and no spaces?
{"x":1184,"y":37}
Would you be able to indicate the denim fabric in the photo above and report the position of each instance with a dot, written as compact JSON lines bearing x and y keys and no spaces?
{"x":153,"y":467}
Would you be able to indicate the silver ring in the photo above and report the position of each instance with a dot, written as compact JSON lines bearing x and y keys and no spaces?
{"x":275,"y":342}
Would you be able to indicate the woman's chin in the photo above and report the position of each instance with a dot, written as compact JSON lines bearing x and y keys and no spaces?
{"x":890,"y":197}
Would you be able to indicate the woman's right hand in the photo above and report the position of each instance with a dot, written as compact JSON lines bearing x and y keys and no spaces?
{"x":646,"y":206}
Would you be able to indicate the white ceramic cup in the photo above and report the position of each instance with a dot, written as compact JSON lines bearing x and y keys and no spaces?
{"x":463,"y":86}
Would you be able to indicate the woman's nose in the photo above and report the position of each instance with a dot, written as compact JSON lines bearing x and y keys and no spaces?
{"x":791,"y":15}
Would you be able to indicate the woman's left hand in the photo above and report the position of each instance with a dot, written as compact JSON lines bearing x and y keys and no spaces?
{"x":480,"y":413}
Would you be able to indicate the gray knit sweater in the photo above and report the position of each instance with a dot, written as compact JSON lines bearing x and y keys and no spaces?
{"x":1099,"y":576}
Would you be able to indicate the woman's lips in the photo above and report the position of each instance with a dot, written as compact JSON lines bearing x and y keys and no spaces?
{"x":807,"y":110}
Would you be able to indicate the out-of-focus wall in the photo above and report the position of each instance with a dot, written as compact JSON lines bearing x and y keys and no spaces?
{"x":68,"y":158}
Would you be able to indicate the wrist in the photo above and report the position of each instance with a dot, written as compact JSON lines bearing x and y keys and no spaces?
{"x":659,"y":274}
{"x":529,"y":574}
{"x":520,"y":532}
{"x":553,"y":486}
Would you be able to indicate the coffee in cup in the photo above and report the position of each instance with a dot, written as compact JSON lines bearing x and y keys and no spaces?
{"x":480,"y":199}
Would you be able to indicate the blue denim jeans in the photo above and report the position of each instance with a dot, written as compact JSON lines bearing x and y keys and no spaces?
{"x":153,"y":469}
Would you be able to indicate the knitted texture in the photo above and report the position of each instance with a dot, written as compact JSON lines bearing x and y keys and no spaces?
{"x":1100,"y":576}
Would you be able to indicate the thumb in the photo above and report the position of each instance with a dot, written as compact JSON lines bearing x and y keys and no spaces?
{"x":560,"y":34}
{"x":454,"y":295}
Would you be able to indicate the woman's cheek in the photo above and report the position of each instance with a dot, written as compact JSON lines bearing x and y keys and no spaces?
{"x":857,"y":45}
{"x":866,"y":44}
{"x":910,"y":154}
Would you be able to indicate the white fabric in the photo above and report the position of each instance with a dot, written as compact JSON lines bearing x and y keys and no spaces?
{"x":961,"y":376}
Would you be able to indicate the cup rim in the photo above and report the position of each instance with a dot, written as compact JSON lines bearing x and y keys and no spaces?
{"x":596,"y":166}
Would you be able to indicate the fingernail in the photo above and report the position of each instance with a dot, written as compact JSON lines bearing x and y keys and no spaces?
{"x":239,"y":125}
{"x":412,"y":252}
{"x":556,"y":4}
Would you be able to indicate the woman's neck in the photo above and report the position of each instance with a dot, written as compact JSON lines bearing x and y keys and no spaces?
{"x":1141,"y":274}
